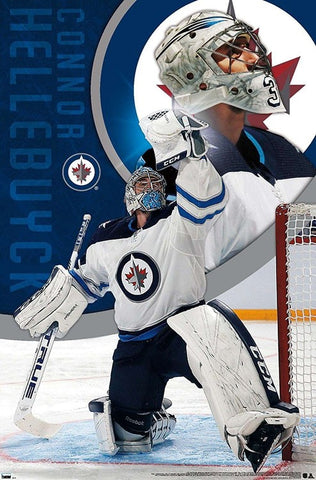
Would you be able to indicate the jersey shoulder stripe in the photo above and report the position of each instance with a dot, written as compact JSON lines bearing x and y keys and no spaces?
{"x":198,"y":221}
{"x":202,"y":203}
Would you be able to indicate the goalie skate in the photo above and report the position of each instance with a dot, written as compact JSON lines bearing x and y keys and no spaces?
{"x":113,"y":439}
{"x":261,"y":444}
{"x":256,"y":434}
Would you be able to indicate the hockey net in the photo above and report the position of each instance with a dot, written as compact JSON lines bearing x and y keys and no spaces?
{"x":296,"y":299}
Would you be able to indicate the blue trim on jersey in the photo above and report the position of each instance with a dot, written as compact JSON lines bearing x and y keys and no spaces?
{"x":130,"y":225}
{"x":124,"y":228}
{"x":142,"y":336}
{"x":84,"y":285}
{"x":262,"y":157}
{"x":171,"y":198}
{"x":202,"y":203}
{"x":198,"y":221}
{"x":140,"y":163}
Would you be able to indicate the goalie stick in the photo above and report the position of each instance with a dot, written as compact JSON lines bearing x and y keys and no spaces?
{"x":23,"y":417}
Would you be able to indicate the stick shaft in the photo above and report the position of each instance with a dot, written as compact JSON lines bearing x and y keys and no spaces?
{"x":82,"y":232}
{"x":43,"y":350}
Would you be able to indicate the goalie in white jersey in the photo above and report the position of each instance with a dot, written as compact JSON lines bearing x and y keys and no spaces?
{"x":153,"y":263}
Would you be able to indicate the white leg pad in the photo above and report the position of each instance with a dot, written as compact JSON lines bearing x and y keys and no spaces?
{"x":235,"y":379}
{"x":104,"y":430}
{"x":221,"y":363}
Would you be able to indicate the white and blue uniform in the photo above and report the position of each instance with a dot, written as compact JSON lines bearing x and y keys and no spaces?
{"x":154,"y":271}
{"x":260,"y":172}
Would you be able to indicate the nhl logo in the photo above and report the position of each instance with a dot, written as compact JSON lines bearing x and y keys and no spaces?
{"x":81,"y":172}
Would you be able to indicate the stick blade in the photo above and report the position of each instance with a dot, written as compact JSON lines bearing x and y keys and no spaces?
{"x":26,"y":421}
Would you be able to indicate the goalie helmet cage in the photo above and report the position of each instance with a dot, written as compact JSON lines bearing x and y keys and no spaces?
{"x":296,"y":303}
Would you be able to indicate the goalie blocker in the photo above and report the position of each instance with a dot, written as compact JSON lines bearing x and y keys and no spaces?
{"x":236,"y":381}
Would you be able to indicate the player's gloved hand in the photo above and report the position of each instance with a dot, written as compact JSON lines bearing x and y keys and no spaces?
{"x":174,"y":135}
{"x":60,"y":300}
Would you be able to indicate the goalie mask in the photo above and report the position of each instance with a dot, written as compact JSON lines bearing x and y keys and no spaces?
{"x":145,"y":191}
{"x":212,"y":58}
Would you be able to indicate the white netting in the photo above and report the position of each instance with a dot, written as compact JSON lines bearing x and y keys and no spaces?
{"x":301,"y":316}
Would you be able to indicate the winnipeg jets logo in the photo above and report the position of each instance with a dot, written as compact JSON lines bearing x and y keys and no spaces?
{"x":138,"y":276}
{"x":81,"y":172}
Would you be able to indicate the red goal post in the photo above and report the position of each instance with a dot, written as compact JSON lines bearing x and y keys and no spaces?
{"x":295,"y":228}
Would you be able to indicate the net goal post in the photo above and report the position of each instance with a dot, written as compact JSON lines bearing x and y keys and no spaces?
{"x":295,"y":229}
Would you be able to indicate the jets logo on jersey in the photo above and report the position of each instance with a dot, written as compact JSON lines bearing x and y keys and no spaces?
{"x":138,"y":276}
{"x":81,"y":172}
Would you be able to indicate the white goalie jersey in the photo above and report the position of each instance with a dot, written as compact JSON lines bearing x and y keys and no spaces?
{"x":154,"y":271}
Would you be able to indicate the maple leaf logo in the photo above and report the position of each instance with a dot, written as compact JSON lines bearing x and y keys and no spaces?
{"x":81,"y":171}
{"x":136,"y":276}
{"x":283,"y":74}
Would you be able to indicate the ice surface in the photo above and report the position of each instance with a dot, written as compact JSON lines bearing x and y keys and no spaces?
{"x":78,"y":370}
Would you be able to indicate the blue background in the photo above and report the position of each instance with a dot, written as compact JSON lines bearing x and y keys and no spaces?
{"x":61,"y":206}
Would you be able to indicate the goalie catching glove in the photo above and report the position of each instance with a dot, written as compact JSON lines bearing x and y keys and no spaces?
{"x":60,"y":301}
{"x":174,"y":136}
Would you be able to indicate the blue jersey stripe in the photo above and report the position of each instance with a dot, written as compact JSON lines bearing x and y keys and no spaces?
{"x":142,"y":336}
{"x":198,"y":221}
{"x":84,"y":285}
{"x":262,"y":158}
{"x":203,"y":203}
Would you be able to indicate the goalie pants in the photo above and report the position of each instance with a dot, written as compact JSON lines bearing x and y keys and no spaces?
{"x":140,"y":372}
